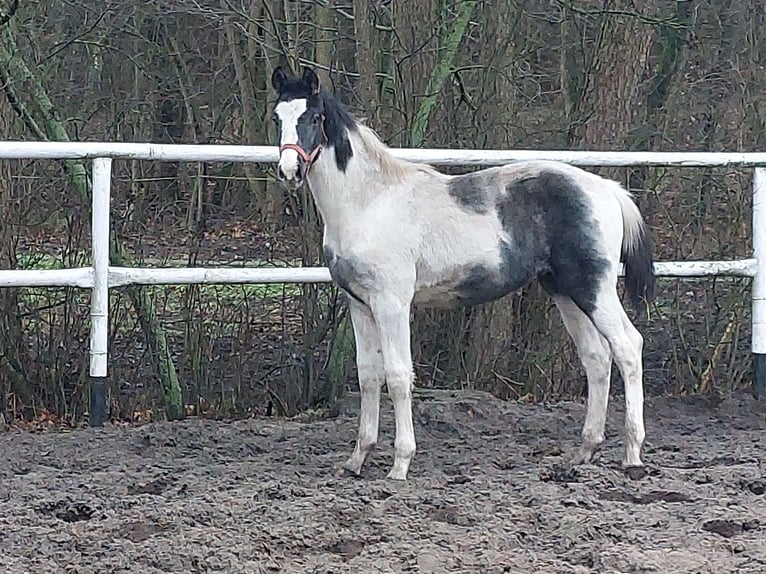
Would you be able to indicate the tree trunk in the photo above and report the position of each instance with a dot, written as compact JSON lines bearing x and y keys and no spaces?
{"x":449,"y":42}
{"x":615,"y":94}
{"x":366,"y":65}
{"x":248,"y":107}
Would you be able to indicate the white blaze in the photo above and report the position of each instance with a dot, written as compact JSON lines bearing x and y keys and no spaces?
{"x":288,"y":114}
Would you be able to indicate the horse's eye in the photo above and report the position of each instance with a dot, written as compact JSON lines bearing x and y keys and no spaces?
{"x":315,"y":119}
{"x":275,"y":119}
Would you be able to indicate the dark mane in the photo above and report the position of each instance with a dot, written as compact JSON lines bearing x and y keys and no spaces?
{"x":337,"y":117}
{"x":335,"y":109}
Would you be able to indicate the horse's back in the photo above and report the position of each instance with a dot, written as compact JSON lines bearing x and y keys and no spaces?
{"x":541,"y":220}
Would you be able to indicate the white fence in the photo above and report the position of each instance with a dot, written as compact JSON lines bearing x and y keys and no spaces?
{"x":101,"y":276}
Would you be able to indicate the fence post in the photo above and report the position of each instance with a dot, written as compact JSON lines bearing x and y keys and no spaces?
{"x":99,"y":303}
{"x":758,"y":344}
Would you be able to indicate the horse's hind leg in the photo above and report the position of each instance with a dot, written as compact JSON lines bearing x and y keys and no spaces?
{"x":626,"y":344}
{"x":596,"y":359}
{"x":369,"y":363}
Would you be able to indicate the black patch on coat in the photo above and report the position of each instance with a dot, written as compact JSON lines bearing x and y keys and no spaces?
{"x":337,"y":119}
{"x":342,"y":272}
{"x":553,"y":235}
{"x":483,"y":284}
{"x":470,"y":192}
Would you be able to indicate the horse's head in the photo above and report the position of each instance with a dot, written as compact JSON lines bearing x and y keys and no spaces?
{"x":299,"y":116}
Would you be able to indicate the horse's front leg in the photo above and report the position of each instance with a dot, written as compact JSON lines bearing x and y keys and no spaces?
{"x":369,"y":364}
{"x":392,"y":317}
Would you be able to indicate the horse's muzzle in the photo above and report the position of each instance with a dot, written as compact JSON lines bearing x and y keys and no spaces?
{"x":292,"y":171}
{"x":298,"y":171}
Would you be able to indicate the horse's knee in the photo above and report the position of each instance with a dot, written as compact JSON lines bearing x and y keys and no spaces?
{"x":370,"y":380}
{"x":626,"y":350}
{"x":596,"y":363}
{"x":399,"y":384}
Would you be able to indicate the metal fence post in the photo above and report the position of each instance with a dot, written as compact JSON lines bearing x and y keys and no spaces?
{"x":99,"y":304}
{"x":758,"y":344}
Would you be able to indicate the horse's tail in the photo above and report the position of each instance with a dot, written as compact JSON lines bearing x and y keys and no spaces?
{"x":636,"y":252}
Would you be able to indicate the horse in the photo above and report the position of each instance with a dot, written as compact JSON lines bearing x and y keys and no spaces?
{"x":399,"y":234}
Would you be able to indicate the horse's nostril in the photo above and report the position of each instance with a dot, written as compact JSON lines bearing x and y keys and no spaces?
{"x":280,"y":174}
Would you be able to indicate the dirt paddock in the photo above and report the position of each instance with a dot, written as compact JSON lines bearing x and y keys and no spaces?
{"x":489,"y":491}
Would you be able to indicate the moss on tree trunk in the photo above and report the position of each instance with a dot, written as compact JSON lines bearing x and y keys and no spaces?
{"x":449,"y":42}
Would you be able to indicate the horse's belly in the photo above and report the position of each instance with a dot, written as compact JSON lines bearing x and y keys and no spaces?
{"x":438,"y":296}
{"x":471,"y":286}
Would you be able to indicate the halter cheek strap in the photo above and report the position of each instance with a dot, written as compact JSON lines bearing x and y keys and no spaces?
{"x":309,"y":158}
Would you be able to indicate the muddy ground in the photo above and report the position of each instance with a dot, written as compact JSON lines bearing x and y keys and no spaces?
{"x":488,"y":492}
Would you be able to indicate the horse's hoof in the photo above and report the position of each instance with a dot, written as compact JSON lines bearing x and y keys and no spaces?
{"x":580,"y":457}
{"x":396,"y":476}
{"x":635,"y":472}
{"x":586,"y":454}
{"x":398,"y":472}
{"x":345,"y":472}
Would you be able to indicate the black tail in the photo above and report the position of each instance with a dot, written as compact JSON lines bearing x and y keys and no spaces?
{"x":639,"y":268}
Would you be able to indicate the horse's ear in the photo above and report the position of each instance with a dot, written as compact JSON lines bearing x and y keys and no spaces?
{"x":310,"y":78}
{"x":278,"y":78}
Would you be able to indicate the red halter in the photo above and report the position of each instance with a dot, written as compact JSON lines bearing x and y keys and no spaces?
{"x":309,"y":158}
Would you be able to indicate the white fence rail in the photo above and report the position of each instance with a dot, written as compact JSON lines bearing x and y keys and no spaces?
{"x":100,"y":277}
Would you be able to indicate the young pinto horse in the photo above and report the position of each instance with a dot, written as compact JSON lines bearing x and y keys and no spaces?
{"x":398,"y":234}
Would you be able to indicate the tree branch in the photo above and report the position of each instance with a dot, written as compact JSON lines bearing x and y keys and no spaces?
{"x":5,"y":17}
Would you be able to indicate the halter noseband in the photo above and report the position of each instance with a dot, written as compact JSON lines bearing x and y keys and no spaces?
{"x":309,"y":158}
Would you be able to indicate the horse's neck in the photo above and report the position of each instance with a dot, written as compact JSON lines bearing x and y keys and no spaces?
{"x":341,"y":196}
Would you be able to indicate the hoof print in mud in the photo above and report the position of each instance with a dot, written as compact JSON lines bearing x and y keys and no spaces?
{"x":663,"y":496}
{"x":458,"y":479}
{"x":730,"y":528}
{"x":559,"y":473}
{"x":506,"y":463}
{"x":451,"y":515}
{"x":277,"y":491}
{"x":755,"y":486}
{"x":343,"y":472}
{"x":67,"y":510}
{"x":616,"y":495}
{"x":545,"y":450}
{"x":150,"y":440}
{"x":154,"y":487}
{"x":347,"y":548}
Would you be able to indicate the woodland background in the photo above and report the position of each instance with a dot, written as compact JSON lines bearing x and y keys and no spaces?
{"x":544,"y":74}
